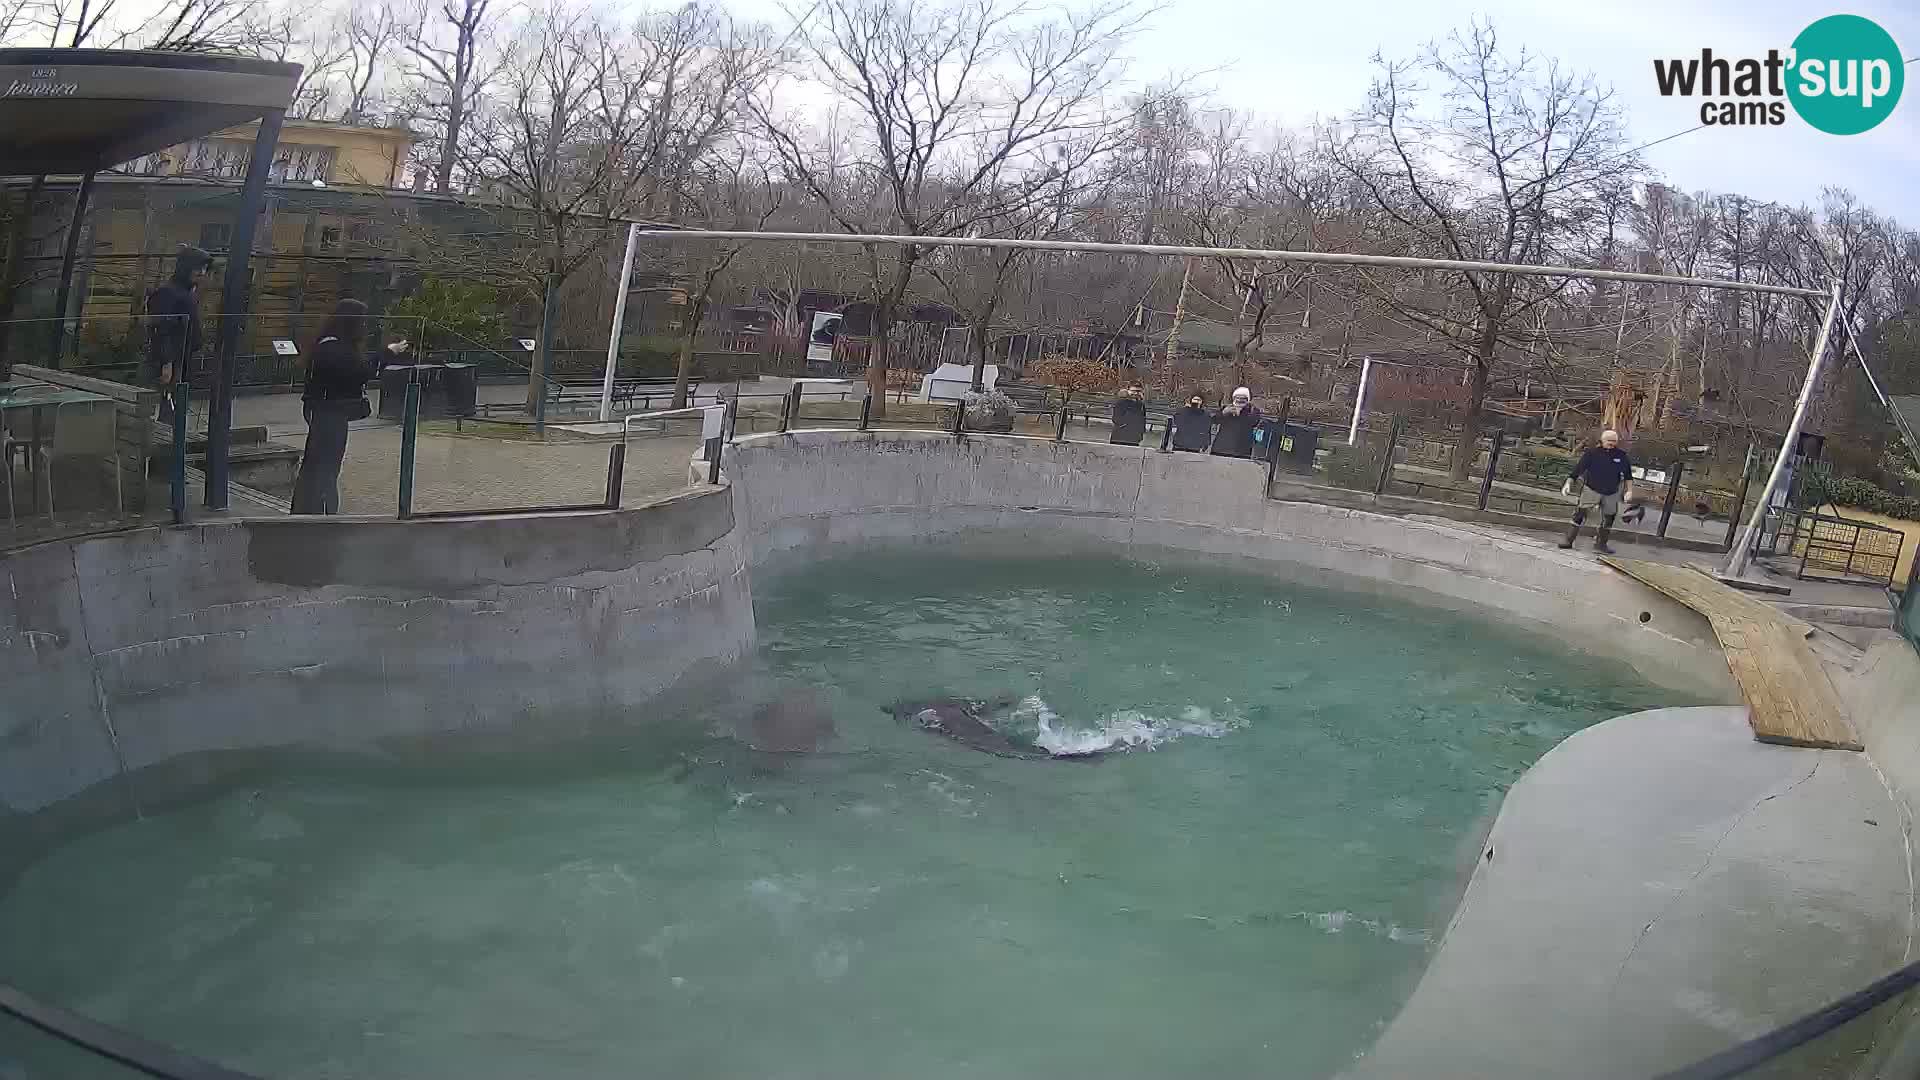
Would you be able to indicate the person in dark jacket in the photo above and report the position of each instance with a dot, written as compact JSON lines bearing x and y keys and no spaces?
{"x":173,"y":325}
{"x":1605,"y":476}
{"x":1237,"y":423}
{"x":1129,"y":416}
{"x":1191,"y":428}
{"x":337,"y":374}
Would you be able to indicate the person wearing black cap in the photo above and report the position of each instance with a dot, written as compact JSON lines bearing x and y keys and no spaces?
{"x":173,"y":325}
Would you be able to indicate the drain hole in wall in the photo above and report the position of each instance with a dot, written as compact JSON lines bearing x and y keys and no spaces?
{"x":1646,"y":616}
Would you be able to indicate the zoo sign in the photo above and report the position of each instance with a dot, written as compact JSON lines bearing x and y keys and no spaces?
{"x":1843,"y":75}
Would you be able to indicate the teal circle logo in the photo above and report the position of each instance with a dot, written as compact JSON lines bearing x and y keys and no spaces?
{"x":1846,"y":76}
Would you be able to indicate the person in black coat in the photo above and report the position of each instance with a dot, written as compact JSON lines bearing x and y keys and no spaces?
{"x":173,"y":325}
{"x":337,"y":374}
{"x":1237,"y":423}
{"x":1191,"y":428}
{"x":1129,"y":416}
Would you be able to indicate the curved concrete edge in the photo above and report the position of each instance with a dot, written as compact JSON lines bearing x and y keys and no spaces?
{"x":1655,"y":889}
{"x":125,"y":652}
{"x":800,"y":494}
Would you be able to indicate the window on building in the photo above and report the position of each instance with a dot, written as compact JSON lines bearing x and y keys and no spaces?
{"x":300,"y":163}
{"x":223,"y":159}
{"x":215,"y":236}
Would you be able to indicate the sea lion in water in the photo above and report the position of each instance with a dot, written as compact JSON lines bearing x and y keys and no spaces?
{"x":963,"y":721}
{"x":796,"y":721}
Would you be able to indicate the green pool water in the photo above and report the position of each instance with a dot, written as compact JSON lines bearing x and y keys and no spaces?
{"x":1251,"y":886}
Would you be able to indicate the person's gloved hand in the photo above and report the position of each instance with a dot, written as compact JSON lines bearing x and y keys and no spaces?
{"x":1567,"y":488}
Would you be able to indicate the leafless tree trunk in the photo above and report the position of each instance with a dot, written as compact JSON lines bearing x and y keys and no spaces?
{"x":1506,"y":171}
{"x":956,"y":113}
{"x":449,"y":47}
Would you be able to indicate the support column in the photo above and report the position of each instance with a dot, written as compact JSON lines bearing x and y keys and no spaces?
{"x":75,"y":226}
{"x":1743,"y":546}
{"x":236,"y":297}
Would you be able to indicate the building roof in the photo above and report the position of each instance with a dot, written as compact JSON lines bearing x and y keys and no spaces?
{"x":82,"y":110}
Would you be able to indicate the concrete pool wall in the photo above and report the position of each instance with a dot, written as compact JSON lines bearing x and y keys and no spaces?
{"x":125,"y":652}
{"x":800,"y":493}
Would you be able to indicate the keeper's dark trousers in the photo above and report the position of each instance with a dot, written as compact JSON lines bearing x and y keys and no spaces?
{"x":317,"y":489}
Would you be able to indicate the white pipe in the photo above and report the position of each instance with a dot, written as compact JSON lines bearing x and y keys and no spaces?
{"x":1360,"y":398}
{"x":619,"y":324}
{"x":1333,"y":257}
{"x":1737,"y":560}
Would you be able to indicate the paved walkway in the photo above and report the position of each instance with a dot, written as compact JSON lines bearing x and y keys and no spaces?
{"x":466,"y":473}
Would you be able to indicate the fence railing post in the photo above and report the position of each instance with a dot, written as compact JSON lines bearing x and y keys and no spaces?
{"x":1060,"y":428}
{"x":959,"y":417}
{"x":409,"y":433}
{"x":866,"y":411}
{"x":1279,"y":436}
{"x":1739,"y":500}
{"x":789,"y":406}
{"x":616,"y":473}
{"x":1493,"y":466}
{"x":1386,"y":465}
{"x":177,"y":475}
{"x":1673,"y":492}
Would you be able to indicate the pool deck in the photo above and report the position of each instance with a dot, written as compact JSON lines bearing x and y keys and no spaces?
{"x":1634,"y":912}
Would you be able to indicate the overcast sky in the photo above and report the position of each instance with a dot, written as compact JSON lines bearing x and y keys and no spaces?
{"x":1299,"y":60}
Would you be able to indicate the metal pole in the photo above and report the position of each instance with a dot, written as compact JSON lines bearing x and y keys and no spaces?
{"x":236,"y":298}
{"x":409,"y":433}
{"x":1493,"y":464}
{"x":177,"y":475}
{"x":1279,"y":433}
{"x":866,"y":411}
{"x":1360,"y":398}
{"x":1386,"y":466}
{"x":75,"y":225}
{"x":1673,"y":492}
{"x":1740,"y":499}
{"x":540,"y":372}
{"x":1738,"y":559}
{"x":786,"y":407}
{"x":619,"y":324}
{"x":1336,"y":258}
{"x":959,"y":417}
{"x":616,"y":473}
{"x":1060,"y":429}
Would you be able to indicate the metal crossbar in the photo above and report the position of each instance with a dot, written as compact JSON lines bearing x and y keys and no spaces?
{"x":1338,"y":258}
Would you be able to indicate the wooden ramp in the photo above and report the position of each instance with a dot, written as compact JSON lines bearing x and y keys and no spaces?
{"x":1789,"y":698}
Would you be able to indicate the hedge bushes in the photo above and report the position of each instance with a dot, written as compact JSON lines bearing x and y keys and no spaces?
{"x":1865,"y":495}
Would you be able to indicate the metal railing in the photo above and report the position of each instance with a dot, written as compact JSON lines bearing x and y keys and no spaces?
{"x":103,"y":1043}
{"x":1829,"y":548}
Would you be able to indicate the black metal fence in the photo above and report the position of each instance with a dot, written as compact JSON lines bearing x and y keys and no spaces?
{"x":1823,"y":547}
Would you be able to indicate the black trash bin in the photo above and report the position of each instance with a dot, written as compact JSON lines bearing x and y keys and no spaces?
{"x":1296,"y":446}
{"x":393,"y":390}
{"x":460,"y":387}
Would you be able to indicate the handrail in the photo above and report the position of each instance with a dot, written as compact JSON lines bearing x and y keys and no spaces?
{"x":121,"y":1047}
{"x":1760,"y":1050}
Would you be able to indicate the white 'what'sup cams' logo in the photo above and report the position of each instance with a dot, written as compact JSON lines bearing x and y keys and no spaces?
{"x":1843,"y":75}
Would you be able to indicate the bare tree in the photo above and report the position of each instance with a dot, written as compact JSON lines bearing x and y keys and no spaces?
{"x":373,"y":31}
{"x":592,"y":124}
{"x":450,"y":46}
{"x":1506,"y":169}
{"x":727,"y":189}
{"x":954,"y":115}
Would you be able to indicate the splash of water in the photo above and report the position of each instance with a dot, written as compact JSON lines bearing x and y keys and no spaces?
{"x":1127,"y":729}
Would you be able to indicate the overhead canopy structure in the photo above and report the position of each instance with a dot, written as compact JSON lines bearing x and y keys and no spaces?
{"x":77,"y":111}
{"x":66,"y":111}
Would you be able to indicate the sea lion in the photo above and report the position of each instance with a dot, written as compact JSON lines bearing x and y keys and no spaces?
{"x":964,"y":721}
